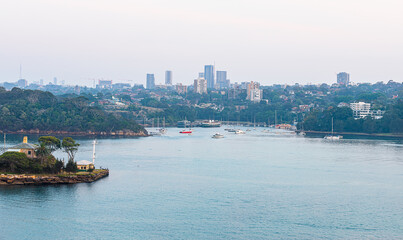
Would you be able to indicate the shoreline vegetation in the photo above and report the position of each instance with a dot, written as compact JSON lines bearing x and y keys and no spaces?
{"x":38,"y":112}
{"x":380,"y":135}
{"x":79,"y":133}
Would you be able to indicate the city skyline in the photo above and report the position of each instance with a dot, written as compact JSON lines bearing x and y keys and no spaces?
{"x":283,"y":42}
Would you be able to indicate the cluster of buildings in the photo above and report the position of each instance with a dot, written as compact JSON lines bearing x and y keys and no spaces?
{"x":210,"y":79}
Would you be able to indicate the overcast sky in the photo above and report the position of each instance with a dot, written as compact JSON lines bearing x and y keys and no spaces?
{"x":287,"y":41}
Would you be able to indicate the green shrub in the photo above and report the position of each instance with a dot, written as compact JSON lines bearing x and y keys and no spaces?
{"x":14,"y":162}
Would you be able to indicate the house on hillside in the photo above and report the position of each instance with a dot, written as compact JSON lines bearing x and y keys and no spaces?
{"x":25,"y":147}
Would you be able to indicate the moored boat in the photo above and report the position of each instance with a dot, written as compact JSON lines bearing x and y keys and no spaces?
{"x":239,"y":131}
{"x":190,"y":131}
{"x":218,"y":135}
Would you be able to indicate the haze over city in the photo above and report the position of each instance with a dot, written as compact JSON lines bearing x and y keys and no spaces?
{"x":270,"y":42}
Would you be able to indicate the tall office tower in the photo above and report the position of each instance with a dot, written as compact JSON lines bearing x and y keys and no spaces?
{"x":55,"y":81}
{"x":200,"y":86}
{"x":222,"y":81}
{"x":168,"y":77}
{"x":150,"y":81}
{"x":201,"y":75}
{"x":343,"y":78}
{"x":209,"y":75}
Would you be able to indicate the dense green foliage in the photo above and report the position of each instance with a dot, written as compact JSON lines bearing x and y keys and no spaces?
{"x":392,"y":122}
{"x":16,"y":162}
{"x":71,"y":166}
{"x":28,"y":110}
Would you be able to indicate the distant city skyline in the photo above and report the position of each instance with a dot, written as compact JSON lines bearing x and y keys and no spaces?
{"x":271,"y":42}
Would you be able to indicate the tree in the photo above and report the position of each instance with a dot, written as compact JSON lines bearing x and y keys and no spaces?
{"x":71,"y":166}
{"x":70,"y":147}
{"x":51,"y":143}
{"x":14,"y":162}
{"x":48,"y":144}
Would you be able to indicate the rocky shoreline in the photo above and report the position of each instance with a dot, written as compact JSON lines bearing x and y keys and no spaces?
{"x":88,"y":133}
{"x":22,"y":179}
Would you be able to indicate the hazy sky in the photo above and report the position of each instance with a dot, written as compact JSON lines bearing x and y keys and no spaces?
{"x":282,"y":41}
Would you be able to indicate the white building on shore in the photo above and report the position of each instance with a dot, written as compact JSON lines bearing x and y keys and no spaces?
{"x":362,"y":110}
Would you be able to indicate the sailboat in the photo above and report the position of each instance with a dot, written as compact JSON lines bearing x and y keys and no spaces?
{"x":163,"y":130}
{"x":333,"y":137}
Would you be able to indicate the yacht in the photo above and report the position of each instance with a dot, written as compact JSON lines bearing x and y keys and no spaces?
{"x":239,"y":131}
{"x":333,"y":137}
{"x":218,"y":135}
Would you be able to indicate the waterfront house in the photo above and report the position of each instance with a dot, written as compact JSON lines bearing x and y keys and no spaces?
{"x":84,"y":165}
{"x":25,"y":147}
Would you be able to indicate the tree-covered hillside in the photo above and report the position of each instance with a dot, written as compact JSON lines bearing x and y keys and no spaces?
{"x":392,"y":121}
{"x":38,"y":110}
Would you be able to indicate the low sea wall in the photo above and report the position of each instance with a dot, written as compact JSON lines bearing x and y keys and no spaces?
{"x":22,"y":179}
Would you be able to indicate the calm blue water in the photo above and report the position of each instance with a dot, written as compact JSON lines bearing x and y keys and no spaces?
{"x":253,"y":186}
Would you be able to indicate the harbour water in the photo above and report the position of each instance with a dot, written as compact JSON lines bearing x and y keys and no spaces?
{"x":252,"y":186}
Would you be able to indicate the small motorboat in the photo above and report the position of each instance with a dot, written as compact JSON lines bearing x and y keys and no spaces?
{"x":218,"y":135}
{"x":239,"y":131}
{"x":190,"y":131}
{"x":333,"y":137}
{"x":163,"y":130}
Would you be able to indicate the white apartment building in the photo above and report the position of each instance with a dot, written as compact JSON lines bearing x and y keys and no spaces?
{"x":254,"y":93}
{"x":362,"y":110}
{"x":200,"y":86}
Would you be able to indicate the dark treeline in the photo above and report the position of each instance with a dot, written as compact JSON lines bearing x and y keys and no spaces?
{"x":28,"y":109}
{"x":392,"y":121}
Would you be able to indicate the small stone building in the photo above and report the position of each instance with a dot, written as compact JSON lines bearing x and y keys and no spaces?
{"x":25,"y":147}
{"x":84,"y":165}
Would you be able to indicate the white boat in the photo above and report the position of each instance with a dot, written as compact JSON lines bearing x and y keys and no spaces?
{"x":218,"y":135}
{"x":154,"y":133}
{"x":333,"y":137}
{"x":239,"y":131}
{"x":162,"y":130}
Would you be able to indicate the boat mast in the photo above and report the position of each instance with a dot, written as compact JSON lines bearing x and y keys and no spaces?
{"x":275,"y":118}
{"x":332,"y":125}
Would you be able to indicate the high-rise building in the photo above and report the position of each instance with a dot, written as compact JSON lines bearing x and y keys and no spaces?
{"x":209,"y":75}
{"x":254,"y":93}
{"x":150,"y":81}
{"x":55,"y":80}
{"x":222,"y":81}
{"x":201,"y":75}
{"x":181,"y":89}
{"x":200,"y":86}
{"x":343,"y":78}
{"x":168,"y":77}
{"x":22,"y":83}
